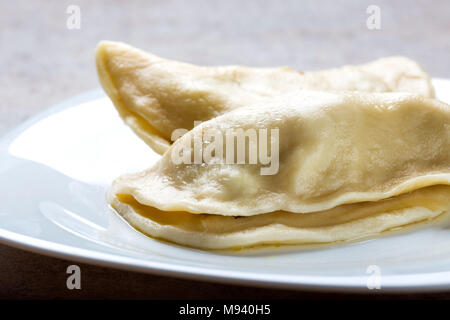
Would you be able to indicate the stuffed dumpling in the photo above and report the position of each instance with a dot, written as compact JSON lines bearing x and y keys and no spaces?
{"x":156,"y":96}
{"x":334,"y":167}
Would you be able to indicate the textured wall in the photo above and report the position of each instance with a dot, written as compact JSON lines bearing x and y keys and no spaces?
{"x":42,"y":61}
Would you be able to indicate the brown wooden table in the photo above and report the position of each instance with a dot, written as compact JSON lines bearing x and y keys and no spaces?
{"x":43,"y":62}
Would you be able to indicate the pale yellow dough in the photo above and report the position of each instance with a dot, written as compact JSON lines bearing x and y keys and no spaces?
{"x":344,"y":223}
{"x":156,"y":96}
{"x":350,"y":165}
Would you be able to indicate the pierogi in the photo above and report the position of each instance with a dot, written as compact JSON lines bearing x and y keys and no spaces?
{"x":349,"y":165}
{"x":156,"y":96}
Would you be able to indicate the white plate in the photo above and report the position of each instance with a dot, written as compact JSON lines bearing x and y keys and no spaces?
{"x":56,"y":167}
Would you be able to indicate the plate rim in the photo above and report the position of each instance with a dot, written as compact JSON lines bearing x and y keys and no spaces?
{"x":410,"y":283}
{"x":430,"y":282}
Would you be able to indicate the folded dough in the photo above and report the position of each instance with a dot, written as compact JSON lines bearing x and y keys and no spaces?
{"x":350,"y":165}
{"x":156,"y":96}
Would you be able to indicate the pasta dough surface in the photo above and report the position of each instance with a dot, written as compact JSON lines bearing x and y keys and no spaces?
{"x":333,"y":149}
{"x":156,"y":96}
{"x":343,"y":223}
{"x":350,"y":165}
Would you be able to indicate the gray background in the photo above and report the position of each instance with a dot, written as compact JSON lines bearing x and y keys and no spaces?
{"x":43,"y":62}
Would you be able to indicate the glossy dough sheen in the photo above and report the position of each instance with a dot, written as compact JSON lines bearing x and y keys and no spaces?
{"x":350,"y":165}
{"x":334,"y":149}
{"x":155,"y":96}
{"x":343,"y":223}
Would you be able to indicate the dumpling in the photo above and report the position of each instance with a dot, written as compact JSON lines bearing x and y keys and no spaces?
{"x":156,"y":96}
{"x":329,"y":167}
